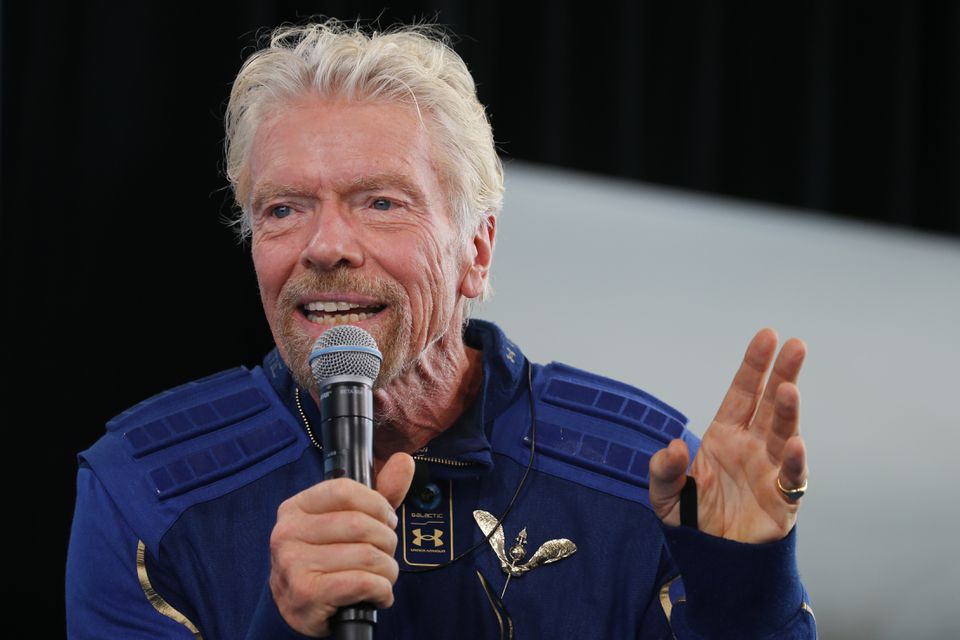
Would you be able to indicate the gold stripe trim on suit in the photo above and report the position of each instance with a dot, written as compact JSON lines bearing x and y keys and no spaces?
{"x":155,"y":598}
{"x":665,"y":597}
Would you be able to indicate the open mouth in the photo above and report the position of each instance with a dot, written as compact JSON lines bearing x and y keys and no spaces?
{"x":331,"y":313}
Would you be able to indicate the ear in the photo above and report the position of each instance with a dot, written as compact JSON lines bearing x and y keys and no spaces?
{"x":478,"y":271}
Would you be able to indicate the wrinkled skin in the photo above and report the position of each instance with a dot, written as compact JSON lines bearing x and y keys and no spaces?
{"x":753,"y":439}
{"x":347,"y":206}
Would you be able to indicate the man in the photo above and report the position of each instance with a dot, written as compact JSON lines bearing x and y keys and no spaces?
{"x":545,"y":503}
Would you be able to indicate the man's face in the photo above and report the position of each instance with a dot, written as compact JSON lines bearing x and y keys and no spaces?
{"x":351,"y":225}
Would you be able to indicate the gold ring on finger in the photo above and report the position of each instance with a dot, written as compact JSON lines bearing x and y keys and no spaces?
{"x":792,"y":495}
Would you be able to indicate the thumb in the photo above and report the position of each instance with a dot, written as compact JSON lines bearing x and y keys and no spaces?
{"x":394,"y":478}
{"x":668,"y":474}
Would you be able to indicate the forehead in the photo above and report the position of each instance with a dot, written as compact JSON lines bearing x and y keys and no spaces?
{"x":325,"y":143}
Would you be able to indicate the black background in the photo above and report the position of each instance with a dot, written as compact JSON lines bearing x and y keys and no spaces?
{"x":121,"y":280}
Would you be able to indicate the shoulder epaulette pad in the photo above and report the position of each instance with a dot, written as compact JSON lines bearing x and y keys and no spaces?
{"x":193,"y":443}
{"x":594,"y":431}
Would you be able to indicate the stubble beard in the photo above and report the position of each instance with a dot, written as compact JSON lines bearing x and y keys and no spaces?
{"x":407,"y":379}
{"x":391,"y":331}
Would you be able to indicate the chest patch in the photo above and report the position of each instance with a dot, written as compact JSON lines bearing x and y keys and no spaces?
{"x":427,"y":521}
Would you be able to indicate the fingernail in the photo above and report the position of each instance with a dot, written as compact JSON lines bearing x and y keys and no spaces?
{"x":392,"y":520}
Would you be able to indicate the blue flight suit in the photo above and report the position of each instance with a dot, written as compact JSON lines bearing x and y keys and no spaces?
{"x":175,"y":505}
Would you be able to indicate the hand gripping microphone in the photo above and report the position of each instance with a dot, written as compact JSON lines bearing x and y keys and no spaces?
{"x":345,"y":361}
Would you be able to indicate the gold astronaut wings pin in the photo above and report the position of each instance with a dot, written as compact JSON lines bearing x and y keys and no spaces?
{"x":549,"y":551}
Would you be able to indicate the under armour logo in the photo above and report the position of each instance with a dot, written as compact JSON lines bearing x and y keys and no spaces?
{"x":435,"y":538}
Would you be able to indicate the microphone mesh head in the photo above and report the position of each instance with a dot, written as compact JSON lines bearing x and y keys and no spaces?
{"x":345,"y":350}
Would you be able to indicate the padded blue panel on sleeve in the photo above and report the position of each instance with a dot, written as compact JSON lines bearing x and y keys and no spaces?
{"x":192,"y":444}
{"x":220,"y":460}
{"x":592,"y":430}
{"x":183,"y":424}
{"x":631,"y":407}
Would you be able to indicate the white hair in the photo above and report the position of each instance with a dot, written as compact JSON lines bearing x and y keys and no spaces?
{"x":411,"y":64}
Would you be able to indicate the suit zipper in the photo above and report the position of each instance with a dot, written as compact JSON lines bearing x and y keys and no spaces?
{"x":444,"y":461}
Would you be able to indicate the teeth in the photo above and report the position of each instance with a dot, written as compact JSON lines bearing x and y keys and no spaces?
{"x":330,"y":313}
{"x":338,"y":319}
{"x":331,"y":306}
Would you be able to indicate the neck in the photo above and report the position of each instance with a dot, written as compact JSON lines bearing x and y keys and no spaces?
{"x":425,"y":400}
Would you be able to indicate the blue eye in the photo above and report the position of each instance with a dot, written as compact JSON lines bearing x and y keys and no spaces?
{"x":382,"y":204}
{"x":281,"y":211}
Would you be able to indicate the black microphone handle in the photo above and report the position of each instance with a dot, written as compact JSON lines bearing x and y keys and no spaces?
{"x":355,"y":622}
{"x":346,"y":410}
{"x":348,"y":449}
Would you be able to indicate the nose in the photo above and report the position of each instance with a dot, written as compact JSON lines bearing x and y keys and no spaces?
{"x":333,"y":240}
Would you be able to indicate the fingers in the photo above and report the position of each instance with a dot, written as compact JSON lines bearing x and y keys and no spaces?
{"x":785,"y":369}
{"x":742,"y":398}
{"x":337,"y":527}
{"x":342,"y":494}
{"x":350,"y":587}
{"x":793,"y":470}
{"x":333,"y":545}
{"x":341,"y":557}
{"x":394,"y":479}
{"x":668,"y":474}
{"x":296,"y":595}
{"x":785,"y":422}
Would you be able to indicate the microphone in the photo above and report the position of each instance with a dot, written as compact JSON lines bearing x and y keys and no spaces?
{"x":345,"y":361}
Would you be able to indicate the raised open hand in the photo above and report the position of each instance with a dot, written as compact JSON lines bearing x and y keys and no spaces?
{"x":752,"y":443}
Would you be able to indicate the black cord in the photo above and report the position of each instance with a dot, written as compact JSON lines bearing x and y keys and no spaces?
{"x":688,"y":504}
{"x":516,"y":493}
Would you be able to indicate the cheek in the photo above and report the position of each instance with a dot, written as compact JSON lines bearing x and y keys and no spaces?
{"x":271,"y":273}
{"x":441,"y":269}
{"x":271,"y":263}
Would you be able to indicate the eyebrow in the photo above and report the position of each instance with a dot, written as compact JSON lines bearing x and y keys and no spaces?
{"x":389,"y":180}
{"x":270,"y":190}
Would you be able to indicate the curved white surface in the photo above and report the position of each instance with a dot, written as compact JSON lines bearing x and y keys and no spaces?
{"x":663,"y":289}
